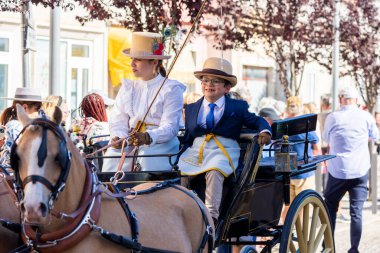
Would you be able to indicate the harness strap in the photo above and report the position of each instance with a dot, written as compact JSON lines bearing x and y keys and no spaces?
{"x":220,"y":146}
{"x":15,"y":227}
{"x":131,"y":244}
{"x":22,"y":249}
{"x":131,"y":216}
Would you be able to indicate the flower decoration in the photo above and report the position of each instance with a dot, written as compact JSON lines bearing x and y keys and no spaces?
{"x":158,"y":47}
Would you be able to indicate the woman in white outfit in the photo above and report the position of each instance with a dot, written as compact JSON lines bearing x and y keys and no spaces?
{"x":159,"y":134}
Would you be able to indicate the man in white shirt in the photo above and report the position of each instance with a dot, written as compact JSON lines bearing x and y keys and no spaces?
{"x":347,"y":132}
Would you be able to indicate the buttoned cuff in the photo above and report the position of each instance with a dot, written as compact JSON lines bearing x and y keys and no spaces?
{"x":266,"y":131}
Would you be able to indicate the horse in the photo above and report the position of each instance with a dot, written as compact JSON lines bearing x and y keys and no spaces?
{"x":63,"y":212}
{"x":9,"y":212}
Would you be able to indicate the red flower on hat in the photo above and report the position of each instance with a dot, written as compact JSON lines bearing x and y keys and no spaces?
{"x":158,"y":48}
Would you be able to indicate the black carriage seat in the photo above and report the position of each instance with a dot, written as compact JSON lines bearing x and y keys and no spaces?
{"x":248,"y":206}
{"x":95,"y":145}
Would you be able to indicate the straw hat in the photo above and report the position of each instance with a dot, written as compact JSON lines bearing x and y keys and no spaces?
{"x":27,"y":94}
{"x":146,"y":45}
{"x":217,"y":67}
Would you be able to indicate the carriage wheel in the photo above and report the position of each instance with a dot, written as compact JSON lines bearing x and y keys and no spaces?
{"x":248,"y":249}
{"x":307,"y":226}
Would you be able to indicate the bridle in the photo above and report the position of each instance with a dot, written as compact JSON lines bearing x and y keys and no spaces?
{"x":63,"y":157}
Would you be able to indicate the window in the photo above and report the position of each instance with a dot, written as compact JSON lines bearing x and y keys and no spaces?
{"x":252,"y":73}
{"x":3,"y":84}
{"x":4,"y":45}
{"x":79,"y":51}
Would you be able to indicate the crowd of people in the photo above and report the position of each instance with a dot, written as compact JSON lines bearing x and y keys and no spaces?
{"x":142,"y":122}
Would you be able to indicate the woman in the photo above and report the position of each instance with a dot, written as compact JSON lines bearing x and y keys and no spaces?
{"x":31,"y":100}
{"x":159,"y":134}
{"x":94,"y":120}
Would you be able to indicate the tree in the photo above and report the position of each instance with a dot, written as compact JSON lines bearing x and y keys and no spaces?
{"x":359,"y":45}
{"x":286,"y":28}
{"x":17,"y":5}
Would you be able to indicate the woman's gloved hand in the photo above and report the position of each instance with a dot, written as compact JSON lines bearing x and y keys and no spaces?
{"x":138,"y":139}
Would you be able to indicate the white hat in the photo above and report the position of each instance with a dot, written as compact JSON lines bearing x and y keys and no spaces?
{"x":146,"y":45}
{"x":107,"y":101}
{"x":27,"y":94}
{"x":348,"y":92}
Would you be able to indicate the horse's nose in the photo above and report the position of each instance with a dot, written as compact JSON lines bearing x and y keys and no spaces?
{"x":34,"y":211}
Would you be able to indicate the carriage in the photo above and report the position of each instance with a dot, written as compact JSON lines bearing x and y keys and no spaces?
{"x":253,"y":198}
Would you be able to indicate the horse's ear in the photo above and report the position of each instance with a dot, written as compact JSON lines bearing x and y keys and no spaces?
{"x":55,"y":114}
{"x":22,"y":115}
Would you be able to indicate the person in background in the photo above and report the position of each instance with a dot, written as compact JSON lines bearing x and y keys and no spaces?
{"x":51,"y":102}
{"x":108,"y":102}
{"x":94,"y":121}
{"x":213,"y":125}
{"x":347,"y":133}
{"x":306,"y":180}
{"x":157,"y":133}
{"x":270,"y":115}
{"x":31,"y":101}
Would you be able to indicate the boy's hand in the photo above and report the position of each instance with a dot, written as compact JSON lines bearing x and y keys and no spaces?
{"x":264,"y":138}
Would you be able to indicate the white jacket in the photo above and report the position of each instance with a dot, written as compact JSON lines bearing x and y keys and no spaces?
{"x":133,"y":101}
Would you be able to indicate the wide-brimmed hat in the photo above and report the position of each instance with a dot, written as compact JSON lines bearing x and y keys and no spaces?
{"x":217,"y":67}
{"x":27,"y":94}
{"x":107,"y":101}
{"x":146,"y":45}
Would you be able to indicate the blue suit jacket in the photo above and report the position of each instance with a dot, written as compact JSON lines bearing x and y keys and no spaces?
{"x":235,"y":115}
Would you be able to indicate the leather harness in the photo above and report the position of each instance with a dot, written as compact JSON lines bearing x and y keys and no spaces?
{"x":84,"y":219}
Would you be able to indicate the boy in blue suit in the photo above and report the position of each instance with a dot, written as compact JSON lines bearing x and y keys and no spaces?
{"x":213,"y":126}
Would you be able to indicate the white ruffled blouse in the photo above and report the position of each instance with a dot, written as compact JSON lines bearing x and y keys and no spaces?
{"x":133,"y":100}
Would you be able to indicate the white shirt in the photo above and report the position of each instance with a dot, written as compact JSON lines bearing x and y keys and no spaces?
{"x":132,"y":103}
{"x":347,"y":132}
{"x":205,"y":109}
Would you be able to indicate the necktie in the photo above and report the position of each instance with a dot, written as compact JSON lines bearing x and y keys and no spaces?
{"x":210,"y":117}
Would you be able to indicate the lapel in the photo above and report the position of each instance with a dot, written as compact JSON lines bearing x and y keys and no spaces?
{"x":194,"y":114}
{"x":228,"y":108}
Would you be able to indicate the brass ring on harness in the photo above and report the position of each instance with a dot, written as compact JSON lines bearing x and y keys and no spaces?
{"x":117,"y":177}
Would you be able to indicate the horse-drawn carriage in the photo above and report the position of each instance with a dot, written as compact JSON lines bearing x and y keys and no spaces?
{"x":253,"y":198}
{"x":251,"y":205}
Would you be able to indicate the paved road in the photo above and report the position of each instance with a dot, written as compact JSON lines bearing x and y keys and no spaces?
{"x":370,"y":242}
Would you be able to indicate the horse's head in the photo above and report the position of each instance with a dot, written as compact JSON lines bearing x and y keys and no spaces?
{"x":41,"y":162}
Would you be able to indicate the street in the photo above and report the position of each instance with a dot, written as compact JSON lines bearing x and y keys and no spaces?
{"x":370,"y":242}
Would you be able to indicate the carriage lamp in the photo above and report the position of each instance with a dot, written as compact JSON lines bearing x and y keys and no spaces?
{"x":285,"y":160}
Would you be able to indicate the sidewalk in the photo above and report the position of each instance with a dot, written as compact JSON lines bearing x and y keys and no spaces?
{"x":370,"y":241}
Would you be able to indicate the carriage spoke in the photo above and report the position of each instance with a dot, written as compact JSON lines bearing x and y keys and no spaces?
{"x":301,"y":241}
{"x":306,"y":222}
{"x":319,"y":236}
{"x":292,"y":247}
{"x":313,"y":228}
